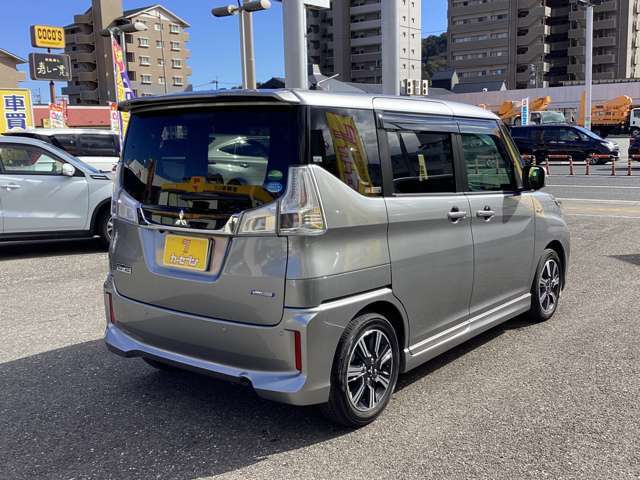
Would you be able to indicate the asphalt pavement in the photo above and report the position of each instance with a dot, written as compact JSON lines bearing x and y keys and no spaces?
{"x":556,"y":400}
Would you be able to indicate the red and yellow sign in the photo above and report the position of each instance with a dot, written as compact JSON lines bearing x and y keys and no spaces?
{"x":188,"y":253}
{"x":351,"y":155}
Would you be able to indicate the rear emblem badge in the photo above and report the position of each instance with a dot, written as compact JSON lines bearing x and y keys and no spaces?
{"x":181,"y":222}
{"x":123,"y":268}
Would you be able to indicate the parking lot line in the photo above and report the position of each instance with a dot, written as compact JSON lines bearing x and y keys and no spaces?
{"x":626,"y":217}
{"x":613,"y":187}
{"x":599,"y":200}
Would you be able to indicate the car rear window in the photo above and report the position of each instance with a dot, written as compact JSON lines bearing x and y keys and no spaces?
{"x":209,"y":164}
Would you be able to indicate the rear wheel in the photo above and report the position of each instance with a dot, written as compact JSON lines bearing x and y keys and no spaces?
{"x":635,"y":132}
{"x":365,"y":371}
{"x":546,"y":288}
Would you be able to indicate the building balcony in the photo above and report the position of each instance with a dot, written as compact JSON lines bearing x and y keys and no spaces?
{"x":86,"y":76}
{"x":368,"y":8}
{"x":576,"y":69}
{"x":604,"y":59}
{"x":83,"y":57}
{"x":366,"y":57}
{"x":80,"y":38}
{"x":604,"y":42}
{"x":372,"y":40}
{"x":483,"y":8}
{"x":479,"y":27}
{"x":367,"y":25}
{"x":83,"y":18}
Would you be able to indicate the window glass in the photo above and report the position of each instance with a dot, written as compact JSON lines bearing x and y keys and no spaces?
{"x":489,"y":167}
{"x":421,"y":162}
{"x":345,"y":143}
{"x":209,"y":163}
{"x":560,"y":135}
{"x":28,"y":160}
{"x":87,"y":145}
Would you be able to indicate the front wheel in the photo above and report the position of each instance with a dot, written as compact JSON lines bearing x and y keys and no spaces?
{"x":105,"y":228}
{"x":547,"y":285}
{"x":365,"y":371}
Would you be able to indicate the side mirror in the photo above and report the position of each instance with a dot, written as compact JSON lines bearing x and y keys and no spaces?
{"x":534,"y":177}
{"x":68,"y":170}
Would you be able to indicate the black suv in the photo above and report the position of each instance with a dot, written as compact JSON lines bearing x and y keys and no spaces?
{"x":543,"y":140}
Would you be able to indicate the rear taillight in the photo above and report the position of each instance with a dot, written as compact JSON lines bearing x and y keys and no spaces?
{"x":298,"y":212}
{"x":300,"y":209}
{"x":112,"y":315}
{"x":123,"y":206}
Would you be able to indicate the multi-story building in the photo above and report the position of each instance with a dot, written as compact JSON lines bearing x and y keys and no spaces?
{"x":538,"y":43}
{"x":347,"y":40}
{"x":156,"y":58}
{"x":10,"y":76}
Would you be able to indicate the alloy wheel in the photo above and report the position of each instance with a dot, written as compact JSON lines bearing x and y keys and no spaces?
{"x":549,"y":286}
{"x":370,"y":370}
{"x":109,"y":228}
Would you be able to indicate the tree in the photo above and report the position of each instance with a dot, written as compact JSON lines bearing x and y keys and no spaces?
{"x":434,"y":54}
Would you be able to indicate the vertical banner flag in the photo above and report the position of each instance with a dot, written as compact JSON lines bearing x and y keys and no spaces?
{"x":123,"y":85}
{"x":15,"y":109}
{"x":56,"y":116}
{"x":114,"y":117}
{"x":524,"y":112}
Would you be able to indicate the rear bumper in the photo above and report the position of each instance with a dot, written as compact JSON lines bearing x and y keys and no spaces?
{"x":263,"y":357}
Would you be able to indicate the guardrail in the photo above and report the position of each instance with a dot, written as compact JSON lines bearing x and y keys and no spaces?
{"x":592,"y":159}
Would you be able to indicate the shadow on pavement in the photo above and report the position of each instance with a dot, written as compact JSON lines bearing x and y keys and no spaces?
{"x":633,"y":259}
{"x":49,"y":248}
{"x":520,"y":322}
{"x":81,"y":412}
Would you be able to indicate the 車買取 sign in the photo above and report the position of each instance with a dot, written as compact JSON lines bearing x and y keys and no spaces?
{"x":15,"y":109}
{"x":49,"y":66}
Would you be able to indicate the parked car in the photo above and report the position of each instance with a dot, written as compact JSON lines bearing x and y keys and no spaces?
{"x":99,"y":148}
{"x":542,"y":140}
{"x":47,"y":193}
{"x":382,"y":232}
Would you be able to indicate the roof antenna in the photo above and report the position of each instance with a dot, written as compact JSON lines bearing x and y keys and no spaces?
{"x":320,"y":82}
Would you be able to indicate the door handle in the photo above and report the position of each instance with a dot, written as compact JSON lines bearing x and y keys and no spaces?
{"x":455,"y":215}
{"x":10,"y":186}
{"x":486,"y":213}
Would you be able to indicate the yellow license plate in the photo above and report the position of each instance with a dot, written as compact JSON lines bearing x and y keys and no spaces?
{"x":189,"y":253}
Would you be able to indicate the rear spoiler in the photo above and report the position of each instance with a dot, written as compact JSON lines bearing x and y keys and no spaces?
{"x":210,"y":97}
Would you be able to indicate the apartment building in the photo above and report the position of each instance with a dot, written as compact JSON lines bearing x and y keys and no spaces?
{"x":156,"y":58}
{"x":10,"y":76}
{"x":347,"y":40}
{"x":539,"y":43}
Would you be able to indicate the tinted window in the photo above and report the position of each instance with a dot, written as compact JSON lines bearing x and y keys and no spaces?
{"x":28,"y":160}
{"x":489,"y":167}
{"x":345,"y":143}
{"x":87,"y":145}
{"x":555,"y":134}
{"x":421,"y":162}
{"x":188,"y":161}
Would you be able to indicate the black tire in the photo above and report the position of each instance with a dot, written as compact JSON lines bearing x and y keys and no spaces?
{"x":635,"y":132}
{"x":165,"y":367}
{"x":541,"y":309}
{"x":374,"y":374}
{"x":104,"y":227}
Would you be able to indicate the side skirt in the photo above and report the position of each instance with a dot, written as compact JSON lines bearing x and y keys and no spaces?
{"x":433,"y":346}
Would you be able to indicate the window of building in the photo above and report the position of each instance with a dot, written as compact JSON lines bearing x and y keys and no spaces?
{"x":145,"y":79}
{"x":159,"y":44}
{"x":144,"y":60}
{"x":421,"y":162}
{"x":177,"y":81}
{"x":161,"y":62}
{"x":176,"y":63}
{"x":173,"y":28}
{"x":344,"y":142}
{"x":157,"y":27}
{"x":143,"y":42}
{"x":161,"y":80}
{"x":175,"y":46}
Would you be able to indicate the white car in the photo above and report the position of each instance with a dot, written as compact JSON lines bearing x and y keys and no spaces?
{"x":47,"y":193}
{"x":97,"y":147}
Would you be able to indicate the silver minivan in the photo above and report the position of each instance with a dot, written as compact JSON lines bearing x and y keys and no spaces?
{"x":368,"y":235}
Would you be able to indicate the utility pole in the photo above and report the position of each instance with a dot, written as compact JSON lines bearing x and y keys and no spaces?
{"x":391,"y":47}
{"x":588,"y":73}
{"x":294,"y":19}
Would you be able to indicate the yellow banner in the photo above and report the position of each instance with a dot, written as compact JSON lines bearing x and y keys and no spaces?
{"x":351,"y":157}
{"x":15,"y":109}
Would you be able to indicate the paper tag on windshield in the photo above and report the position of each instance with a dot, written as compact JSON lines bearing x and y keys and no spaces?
{"x":423,"y":168}
{"x":317,"y":159}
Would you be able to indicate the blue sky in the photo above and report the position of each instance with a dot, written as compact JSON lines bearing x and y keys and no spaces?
{"x":214,"y":42}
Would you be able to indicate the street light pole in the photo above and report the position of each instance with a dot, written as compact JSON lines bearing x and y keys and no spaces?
{"x":294,"y":19}
{"x":244,"y":12}
{"x":391,"y":47}
{"x":588,"y":74}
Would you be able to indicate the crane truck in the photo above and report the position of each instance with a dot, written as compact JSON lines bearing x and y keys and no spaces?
{"x":616,"y":116}
{"x":510,"y":112}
